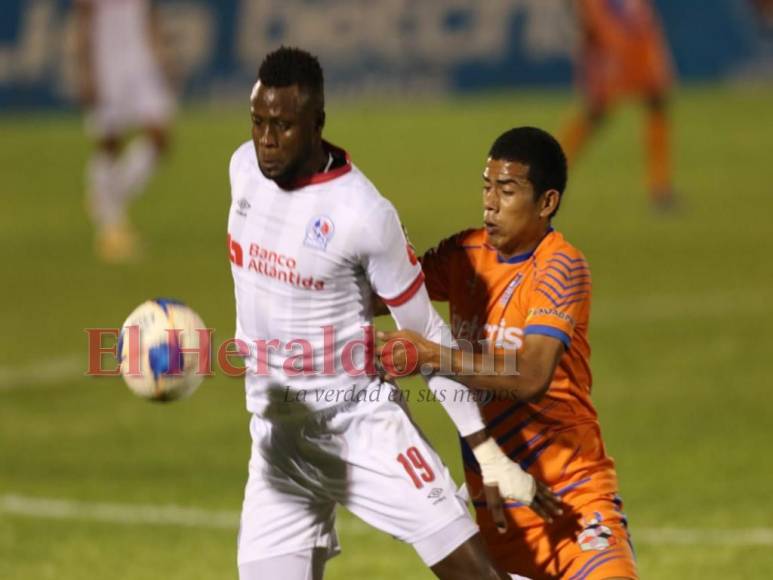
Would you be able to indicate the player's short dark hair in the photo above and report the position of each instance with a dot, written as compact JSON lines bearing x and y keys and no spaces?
{"x":287,"y":66}
{"x":540,"y":151}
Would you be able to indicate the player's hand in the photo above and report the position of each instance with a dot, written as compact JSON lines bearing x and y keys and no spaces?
{"x":504,"y":480}
{"x":546,"y":504}
{"x":403,"y":353}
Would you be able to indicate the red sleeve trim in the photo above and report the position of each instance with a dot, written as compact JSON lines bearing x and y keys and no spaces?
{"x":407,"y":294}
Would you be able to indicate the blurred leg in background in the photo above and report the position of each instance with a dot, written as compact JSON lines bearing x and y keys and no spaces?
{"x":579,"y":129}
{"x":658,"y":152}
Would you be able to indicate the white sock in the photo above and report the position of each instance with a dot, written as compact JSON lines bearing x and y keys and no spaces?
{"x":106,"y":205}
{"x":137,"y":165}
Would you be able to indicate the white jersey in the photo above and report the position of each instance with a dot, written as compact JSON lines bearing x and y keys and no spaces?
{"x":131,"y":89}
{"x":304,"y":264}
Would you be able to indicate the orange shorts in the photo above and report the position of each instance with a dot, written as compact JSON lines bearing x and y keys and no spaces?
{"x":590,"y":542}
{"x":606,"y":79}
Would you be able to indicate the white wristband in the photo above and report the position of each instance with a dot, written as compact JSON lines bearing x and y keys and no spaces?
{"x":497,"y":469}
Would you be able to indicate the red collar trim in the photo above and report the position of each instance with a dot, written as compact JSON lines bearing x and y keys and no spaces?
{"x":318,"y":178}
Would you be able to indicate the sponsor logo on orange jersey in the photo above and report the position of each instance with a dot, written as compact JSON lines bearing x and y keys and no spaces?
{"x":550,"y":312}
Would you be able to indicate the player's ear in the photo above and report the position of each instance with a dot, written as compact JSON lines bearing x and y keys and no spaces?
{"x":549,"y":203}
{"x":320,"y":119}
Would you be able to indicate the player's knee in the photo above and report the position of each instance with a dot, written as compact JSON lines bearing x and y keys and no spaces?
{"x":657,"y":103}
{"x":159,"y":136}
{"x":110,"y":145}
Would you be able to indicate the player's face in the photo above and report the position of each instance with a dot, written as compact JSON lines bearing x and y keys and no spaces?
{"x":513,"y":218}
{"x":284,"y":131}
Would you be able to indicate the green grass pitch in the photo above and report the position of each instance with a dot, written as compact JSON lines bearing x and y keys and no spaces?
{"x":680,"y":333}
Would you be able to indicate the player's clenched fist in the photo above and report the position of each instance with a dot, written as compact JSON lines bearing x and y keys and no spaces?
{"x":403,"y":353}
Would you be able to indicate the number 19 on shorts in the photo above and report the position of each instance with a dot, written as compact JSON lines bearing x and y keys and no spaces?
{"x":416,"y":466}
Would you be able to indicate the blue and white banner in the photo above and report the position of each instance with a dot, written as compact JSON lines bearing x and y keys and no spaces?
{"x":386,"y":45}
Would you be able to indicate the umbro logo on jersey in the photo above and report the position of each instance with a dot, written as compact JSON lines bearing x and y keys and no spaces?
{"x":242,"y":206}
{"x":319,"y":232}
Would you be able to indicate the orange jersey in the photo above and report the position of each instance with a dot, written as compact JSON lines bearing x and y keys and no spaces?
{"x":548,"y":292}
{"x":558,"y":438}
{"x":623,"y":50}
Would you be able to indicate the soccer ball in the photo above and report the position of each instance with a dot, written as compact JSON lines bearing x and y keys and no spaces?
{"x":162,"y":351}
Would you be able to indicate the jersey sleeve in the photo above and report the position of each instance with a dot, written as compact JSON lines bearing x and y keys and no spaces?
{"x":437,"y":264}
{"x":560,"y":298}
{"x":390,"y":264}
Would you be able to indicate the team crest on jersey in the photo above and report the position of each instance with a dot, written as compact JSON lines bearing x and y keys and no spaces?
{"x":595,"y":535}
{"x":319,"y":232}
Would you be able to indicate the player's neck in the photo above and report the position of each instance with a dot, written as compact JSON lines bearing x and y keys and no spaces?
{"x":526,"y":246}
{"x":317,"y":162}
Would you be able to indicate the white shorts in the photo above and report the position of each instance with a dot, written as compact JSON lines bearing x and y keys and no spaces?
{"x":130,"y":101}
{"x":366,"y":456}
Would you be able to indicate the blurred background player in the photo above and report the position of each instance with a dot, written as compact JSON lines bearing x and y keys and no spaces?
{"x":123,"y":90}
{"x":623,"y":54}
{"x":520,"y":286}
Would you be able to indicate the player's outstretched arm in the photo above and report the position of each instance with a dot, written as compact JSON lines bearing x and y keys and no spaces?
{"x":419,"y":316}
{"x":536,"y":363}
